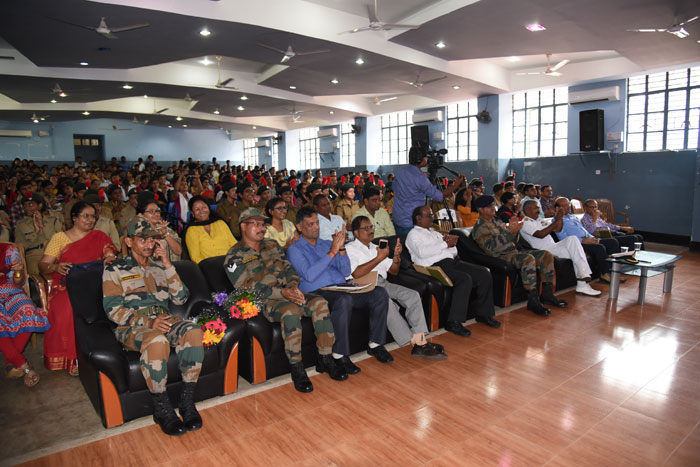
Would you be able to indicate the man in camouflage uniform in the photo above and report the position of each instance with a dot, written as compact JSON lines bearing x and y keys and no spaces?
{"x":260,"y":264}
{"x":35,"y":230}
{"x":137,"y":290}
{"x":498,"y":240}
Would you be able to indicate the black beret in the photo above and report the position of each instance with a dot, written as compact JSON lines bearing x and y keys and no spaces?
{"x":484,"y":201}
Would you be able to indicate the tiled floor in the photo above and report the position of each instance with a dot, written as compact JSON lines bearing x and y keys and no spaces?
{"x":585,"y":386}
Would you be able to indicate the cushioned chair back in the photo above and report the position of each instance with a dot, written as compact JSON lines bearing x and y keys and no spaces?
{"x":213,"y":271}
{"x":85,"y":293}
{"x":197,"y":285}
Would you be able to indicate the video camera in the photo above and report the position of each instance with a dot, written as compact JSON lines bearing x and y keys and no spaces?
{"x":435,"y":157}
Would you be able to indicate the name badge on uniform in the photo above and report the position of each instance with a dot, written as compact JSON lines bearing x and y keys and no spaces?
{"x":130,"y":278}
{"x":252,"y":258}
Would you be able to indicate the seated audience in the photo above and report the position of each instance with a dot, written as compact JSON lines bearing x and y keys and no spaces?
{"x":264,"y":196}
{"x":498,"y":240}
{"x":380,"y":218}
{"x":508,"y":207}
{"x":547,"y":201}
{"x":206,"y":235}
{"x":537,"y":232}
{"x":531,"y":195}
{"x":19,"y":318}
{"x":321,"y":263}
{"x":104,"y":223}
{"x":593,"y":221}
{"x":346,"y":207}
{"x":149,"y":209}
{"x":279,"y":228}
{"x":328,"y":223}
{"x":286,"y":193}
{"x":430,"y":248}
{"x":35,"y":230}
{"x":226,"y":209}
{"x":463,"y":204}
{"x":260,"y":264}
{"x":246,"y":193}
{"x":497,"y":192}
{"x":365,"y":257}
{"x":137,"y":292}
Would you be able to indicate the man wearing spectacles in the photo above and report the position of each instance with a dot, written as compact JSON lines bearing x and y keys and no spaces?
{"x":260,"y":264}
{"x":431,"y":248}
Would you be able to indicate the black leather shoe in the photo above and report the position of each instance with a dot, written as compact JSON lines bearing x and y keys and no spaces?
{"x":190,"y":417}
{"x":437,"y":347}
{"x":327,"y":364}
{"x":428,"y":351}
{"x":457,"y":328}
{"x":381,"y":354}
{"x":302,"y":383}
{"x":164,"y":415}
{"x":349,"y":366}
{"x":488,"y":321}
{"x":549,"y":298}
{"x":534,"y":304}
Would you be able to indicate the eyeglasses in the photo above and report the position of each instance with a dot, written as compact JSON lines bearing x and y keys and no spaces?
{"x":367,"y":228}
{"x":430,"y":214}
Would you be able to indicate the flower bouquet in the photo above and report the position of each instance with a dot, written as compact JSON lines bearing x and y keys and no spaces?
{"x":242,"y":303}
{"x":212,"y":326}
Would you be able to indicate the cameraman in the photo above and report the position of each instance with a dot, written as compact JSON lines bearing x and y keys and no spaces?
{"x":411,"y":186}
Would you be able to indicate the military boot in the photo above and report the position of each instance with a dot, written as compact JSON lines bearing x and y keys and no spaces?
{"x":302,"y":383}
{"x":327,"y":364}
{"x":164,"y":415}
{"x":190,"y":416}
{"x":549,"y":298}
{"x":534,"y":304}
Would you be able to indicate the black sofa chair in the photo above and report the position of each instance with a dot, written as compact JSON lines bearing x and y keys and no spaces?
{"x":507,"y":282}
{"x":112,"y":376}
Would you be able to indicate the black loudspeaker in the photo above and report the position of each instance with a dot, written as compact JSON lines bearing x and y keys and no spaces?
{"x":592,"y":135}
{"x":420,"y":137}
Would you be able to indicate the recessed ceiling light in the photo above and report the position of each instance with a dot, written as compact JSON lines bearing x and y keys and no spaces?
{"x":514,"y":59}
{"x":84,"y":63}
{"x":53,"y":101}
{"x":178,"y":118}
{"x":241,"y":108}
{"x":440,"y":45}
{"x":145,"y":96}
{"x":359,"y":61}
{"x":254,"y":127}
{"x":184,"y":126}
{"x":216,"y":112}
{"x":292,"y":87}
{"x":456,"y":86}
{"x":244,"y":97}
{"x":335,"y":81}
{"x":62,"y":94}
{"x":128,"y":86}
{"x":205,"y":61}
{"x":205,"y":32}
{"x":331,"y":112}
{"x":170,"y":126}
{"x":535,"y":27}
{"x":35,"y":120}
{"x":86,"y":113}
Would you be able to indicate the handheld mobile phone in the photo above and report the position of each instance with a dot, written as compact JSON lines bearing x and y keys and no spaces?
{"x":383,"y":243}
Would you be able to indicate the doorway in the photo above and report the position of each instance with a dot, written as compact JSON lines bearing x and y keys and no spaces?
{"x":89,"y":147}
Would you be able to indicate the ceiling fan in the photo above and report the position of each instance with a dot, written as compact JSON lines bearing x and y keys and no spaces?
{"x":61,"y":93}
{"x":222,"y":84}
{"x":6,"y":57}
{"x":104,"y":30}
{"x":115,"y":128}
{"x":289,"y":54}
{"x":550,"y":70}
{"x":378,"y":101}
{"x":158,"y":111}
{"x":189,"y":98}
{"x":418,"y":84}
{"x":36,"y":119}
{"x":376,"y":25}
{"x":676,"y":29}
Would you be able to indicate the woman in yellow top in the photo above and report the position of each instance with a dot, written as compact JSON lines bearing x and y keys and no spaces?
{"x":463,"y":203}
{"x":207,"y":235}
{"x":280,"y":229}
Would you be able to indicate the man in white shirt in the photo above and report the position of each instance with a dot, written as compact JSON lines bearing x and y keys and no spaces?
{"x":380,"y":218}
{"x":538,"y":231}
{"x":531,"y":195}
{"x":431,"y":248}
{"x":365,"y":257}
{"x":327,"y":222}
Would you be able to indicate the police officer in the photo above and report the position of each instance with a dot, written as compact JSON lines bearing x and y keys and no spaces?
{"x":35,"y":230}
{"x":137,"y":290}
{"x":498,"y":240}
{"x":260,"y":264}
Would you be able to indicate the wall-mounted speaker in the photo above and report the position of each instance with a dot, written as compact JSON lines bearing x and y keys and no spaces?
{"x":591,"y":132}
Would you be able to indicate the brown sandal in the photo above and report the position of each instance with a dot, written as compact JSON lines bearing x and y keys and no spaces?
{"x":31,"y":377}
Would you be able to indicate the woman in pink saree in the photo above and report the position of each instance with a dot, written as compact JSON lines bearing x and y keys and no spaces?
{"x":80,"y":247}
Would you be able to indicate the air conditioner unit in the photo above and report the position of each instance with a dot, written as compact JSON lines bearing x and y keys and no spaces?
{"x":611,"y":93}
{"x":264,"y":143}
{"x":16,"y":133}
{"x":328,"y":132}
{"x":434,"y":116}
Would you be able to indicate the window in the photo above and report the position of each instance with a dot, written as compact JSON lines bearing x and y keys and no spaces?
{"x":462,"y":136}
{"x":663,"y":110}
{"x":396,"y":137}
{"x":250,"y":152}
{"x":308,"y":149}
{"x":540,"y":123}
{"x":347,"y":145}
{"x":275,"y":154}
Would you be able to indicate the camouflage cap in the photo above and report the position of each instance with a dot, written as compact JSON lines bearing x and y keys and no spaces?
{"x":140,"y":227}
{"x":251,"y":213}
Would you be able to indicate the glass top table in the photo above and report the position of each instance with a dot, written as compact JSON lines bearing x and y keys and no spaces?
{"x":650,"y":264}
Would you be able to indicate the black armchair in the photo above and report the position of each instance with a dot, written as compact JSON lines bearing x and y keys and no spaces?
{"x":112,"y":376}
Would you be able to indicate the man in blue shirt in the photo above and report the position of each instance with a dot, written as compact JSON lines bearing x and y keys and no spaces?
{"x":411,"y":186}
{"x":321,"y":263}
{"x":591,"y":245}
